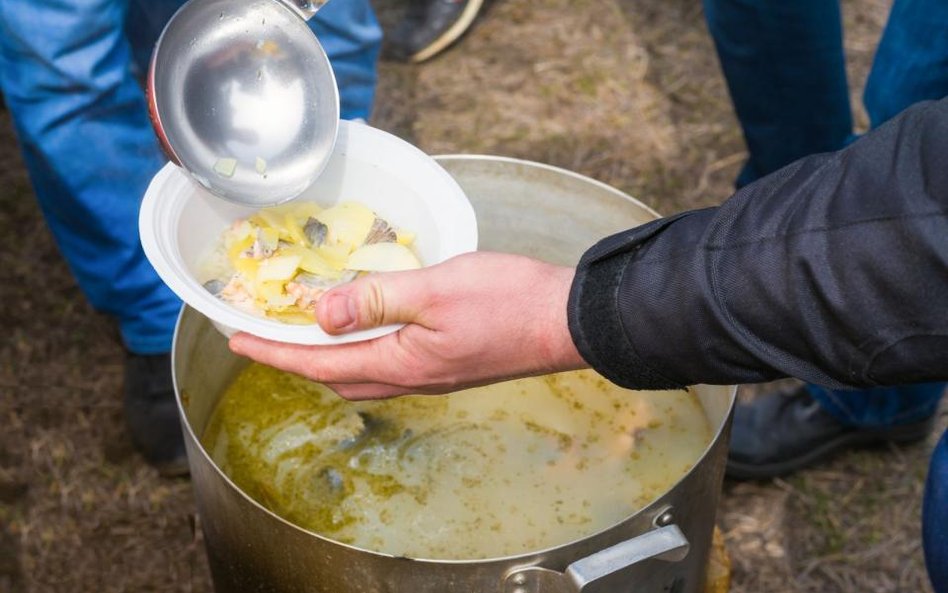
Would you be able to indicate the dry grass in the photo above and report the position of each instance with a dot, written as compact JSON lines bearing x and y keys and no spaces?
{"x":627,"y":92}
{"x":851,"y":525}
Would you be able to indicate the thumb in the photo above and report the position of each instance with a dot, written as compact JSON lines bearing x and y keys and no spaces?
{"x":370,"y":301}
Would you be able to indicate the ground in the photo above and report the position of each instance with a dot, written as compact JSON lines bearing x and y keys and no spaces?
{"x":627,"y":92}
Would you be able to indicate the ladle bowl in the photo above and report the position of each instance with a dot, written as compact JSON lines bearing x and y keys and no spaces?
{"x":242,"y":96}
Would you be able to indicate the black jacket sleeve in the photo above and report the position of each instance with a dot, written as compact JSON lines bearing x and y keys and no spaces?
{"x":833,"y":270}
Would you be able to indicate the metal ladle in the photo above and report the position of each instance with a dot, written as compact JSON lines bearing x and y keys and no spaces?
{"x":242,"y":96}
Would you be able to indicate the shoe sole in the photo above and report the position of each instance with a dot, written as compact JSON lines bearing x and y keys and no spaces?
{"x":900,"y":434}
{"x":451,"y":35}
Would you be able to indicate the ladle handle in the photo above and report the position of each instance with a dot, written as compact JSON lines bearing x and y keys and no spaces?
{"x":307,"y":9}
{"x":590,"y":574}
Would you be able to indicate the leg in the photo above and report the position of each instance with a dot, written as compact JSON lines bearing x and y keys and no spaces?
{"x":911,"y":63}
{"x":145,"y":21}
{"x":881,"y":407}
{"x":81,"y":121}
{"x":351,"y":36}
{"x":935,"y":517}
{"x":785,"y":69}
{"x":65,"y":69}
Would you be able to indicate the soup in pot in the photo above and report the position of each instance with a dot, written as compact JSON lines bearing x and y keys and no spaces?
{"x":494,"y":471}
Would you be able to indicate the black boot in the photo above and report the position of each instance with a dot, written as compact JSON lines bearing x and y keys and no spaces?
{"x":777,"y":434}
{"x":151,"y":413}
{"x":429,"y":27}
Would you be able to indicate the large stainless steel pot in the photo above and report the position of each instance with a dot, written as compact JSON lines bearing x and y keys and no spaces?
{"x":524,"y":208}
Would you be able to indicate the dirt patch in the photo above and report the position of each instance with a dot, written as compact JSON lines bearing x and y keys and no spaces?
{"x":627,"y":92}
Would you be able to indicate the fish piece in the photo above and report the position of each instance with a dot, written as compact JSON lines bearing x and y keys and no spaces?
{"x":329,"y":479}
{"x":215,"y":286}
{"x":381,"y":232}
{"x":305,"y":296}
{"x":309,"y":288}
{"x":265,"y":243}
{"x":315,"y":231}
{"x":369,"y":424}
{"x":237,"y":294}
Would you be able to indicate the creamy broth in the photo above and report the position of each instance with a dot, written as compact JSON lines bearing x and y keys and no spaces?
{"x":488,"y":472}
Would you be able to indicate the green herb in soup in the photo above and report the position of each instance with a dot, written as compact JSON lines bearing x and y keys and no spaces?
{"x":493,"y":471}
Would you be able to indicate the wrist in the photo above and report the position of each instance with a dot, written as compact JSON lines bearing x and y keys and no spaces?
{"x":557,"y":350}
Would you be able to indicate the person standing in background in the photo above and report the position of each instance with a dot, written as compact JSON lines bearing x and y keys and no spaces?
{"x":785,"y":67}
{"x":71,"y":73}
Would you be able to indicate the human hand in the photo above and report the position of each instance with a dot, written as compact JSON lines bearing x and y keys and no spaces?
{"x":475,"y":319}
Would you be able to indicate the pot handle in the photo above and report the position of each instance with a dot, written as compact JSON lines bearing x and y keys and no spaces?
{"x":666,"y":543}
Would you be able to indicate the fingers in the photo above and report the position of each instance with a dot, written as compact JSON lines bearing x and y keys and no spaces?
{"x":373,"y":301}
{"x":325,"y":364}
{"x":366,"y":391}
{"x":288,"y":357}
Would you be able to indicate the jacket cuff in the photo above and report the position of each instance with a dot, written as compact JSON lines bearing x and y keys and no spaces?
{"x":595,"y":321}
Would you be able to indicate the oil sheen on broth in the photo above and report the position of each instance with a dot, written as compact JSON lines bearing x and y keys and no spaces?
{"x":488,"y":472}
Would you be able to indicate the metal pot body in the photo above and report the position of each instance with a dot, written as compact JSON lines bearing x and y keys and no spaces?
{"x":524,"y":208}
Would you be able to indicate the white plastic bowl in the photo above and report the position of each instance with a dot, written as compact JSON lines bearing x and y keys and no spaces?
{"x":181,"y":223}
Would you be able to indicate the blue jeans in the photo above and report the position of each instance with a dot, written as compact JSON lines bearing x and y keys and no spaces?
{"x":785,"y":69}
{"x":935,"y":517}
{"x":69,"y":72}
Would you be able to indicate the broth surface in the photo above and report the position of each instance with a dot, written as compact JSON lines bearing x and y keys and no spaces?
{"x":488,"y":472}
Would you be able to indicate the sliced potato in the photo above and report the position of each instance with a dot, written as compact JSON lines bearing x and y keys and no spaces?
{"x":247,"y":267}
{"x":268,"y":218}
{"x":270,"y":238}
{"x":273,"y":295}
{"x":278,"y":267}
{"x":295,"y":229}
{"x":404,"y":237}
{"x":265,"y":290}
{"x":293,"y":316}
{"x":383,"y":257}
{"x":237,"y":248}
{"x":336,"y":254}
{"x":349,"y":223}
{"x":313,"y":262}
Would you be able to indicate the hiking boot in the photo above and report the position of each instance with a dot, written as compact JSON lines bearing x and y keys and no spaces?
{"x":777,"y":434}
{"x":429,"y":27}
{"x":151,"y":413}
